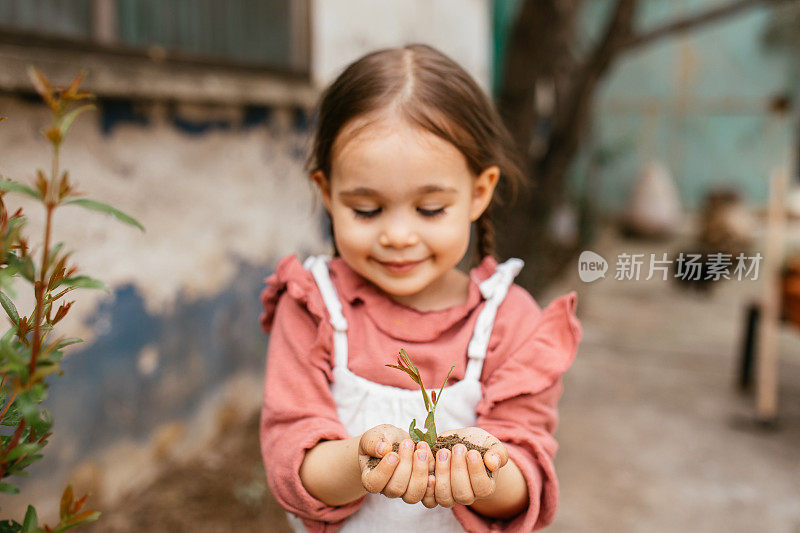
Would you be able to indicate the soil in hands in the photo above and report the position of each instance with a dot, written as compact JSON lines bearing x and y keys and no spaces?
{"x":447,"y":441}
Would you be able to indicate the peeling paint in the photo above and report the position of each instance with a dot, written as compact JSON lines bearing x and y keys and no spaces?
{"x":207,"y":201}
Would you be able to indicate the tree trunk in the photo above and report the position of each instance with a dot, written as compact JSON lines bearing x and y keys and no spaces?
{"x":546,"y":103}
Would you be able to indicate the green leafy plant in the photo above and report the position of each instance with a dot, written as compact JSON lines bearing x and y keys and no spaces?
{"x":405,"y":364}
{"x":29,"y":351}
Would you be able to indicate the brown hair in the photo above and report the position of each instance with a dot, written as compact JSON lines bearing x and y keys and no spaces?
{"x":431,"y":91}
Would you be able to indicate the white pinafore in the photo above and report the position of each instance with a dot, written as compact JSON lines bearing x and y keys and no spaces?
{"x":364,"y":404}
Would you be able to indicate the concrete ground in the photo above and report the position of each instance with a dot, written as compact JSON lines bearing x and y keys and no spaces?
{"x":654,"y":436}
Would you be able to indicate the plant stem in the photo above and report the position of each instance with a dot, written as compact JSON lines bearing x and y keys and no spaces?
{"x":39,"y":292}
{"x":3,"y":412}
{"x":11,"y":445}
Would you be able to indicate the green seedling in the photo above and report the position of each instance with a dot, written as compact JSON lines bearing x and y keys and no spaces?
{"x":405,"y":364}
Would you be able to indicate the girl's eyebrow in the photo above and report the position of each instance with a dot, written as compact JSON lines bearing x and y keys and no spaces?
{"x":425,"y":189}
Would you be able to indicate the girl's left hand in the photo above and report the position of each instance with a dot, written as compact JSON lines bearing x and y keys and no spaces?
{"x":461,"y":477}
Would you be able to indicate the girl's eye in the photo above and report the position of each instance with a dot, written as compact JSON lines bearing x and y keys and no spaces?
{"x":366,"y":213}
{"x":430,"y":212}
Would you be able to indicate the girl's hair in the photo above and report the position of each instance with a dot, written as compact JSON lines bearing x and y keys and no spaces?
{"x":431,"y":91}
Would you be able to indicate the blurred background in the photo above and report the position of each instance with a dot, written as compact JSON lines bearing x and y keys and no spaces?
{"x":648,"y":127}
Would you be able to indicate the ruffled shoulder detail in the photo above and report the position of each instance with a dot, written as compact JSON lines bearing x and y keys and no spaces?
{"x":290,"y":277}
{"x":547,"y":352}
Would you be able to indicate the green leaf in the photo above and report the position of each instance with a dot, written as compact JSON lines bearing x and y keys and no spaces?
{"x":24,"y":267}
{"x":45,"y":422}
{"x":66,"y":122}
{"x":46,"y":307}
{"x":7,"y":280}
{"x":12,"y":417}
{"x":418,"y":379}
{"x":8,"y":488}
{"x":38,"y":418}
{"x":45,"y":370}
{"x":53,"y":357}
{"x":66,"y":502}
{"x":83,"y":282}
{"x":16,"y":224}
{"x":10,"y":526}
{"x":25,"y":461}
{"x":28,"y":407}
{"x":13,"y":353}
{"x":430,"y":432}
{"x":13,"y":186}
{"x":105,"y":208}
{"x":407,"y":371}
{"x":80,"y":518}
{"x":23,"y":449}
{"x":8,"y":335}
{"x":414,"y":431}
{"x":10,"y":308}
{"x":54,"y":252}
{"x":417,"y":435}
{"x":67,"y":342}
{"x":31,"y":522}
{"x":407,"y":360}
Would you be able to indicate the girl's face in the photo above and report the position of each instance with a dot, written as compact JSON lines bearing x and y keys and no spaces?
{"x":402,"y":200}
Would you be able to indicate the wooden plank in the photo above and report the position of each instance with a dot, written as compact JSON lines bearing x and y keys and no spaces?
{"x":767,"y":359}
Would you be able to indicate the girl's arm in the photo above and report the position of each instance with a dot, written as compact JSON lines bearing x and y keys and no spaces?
{"x":299,"y":413}
{"x":330,"y":472}
{"x":510,"y":494}
{"x":524,"y":425}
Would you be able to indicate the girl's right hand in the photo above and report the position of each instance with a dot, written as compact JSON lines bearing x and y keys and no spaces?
{"x":402,"y":474}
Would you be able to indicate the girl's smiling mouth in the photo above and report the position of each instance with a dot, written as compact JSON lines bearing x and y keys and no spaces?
{"x":399,"y":267}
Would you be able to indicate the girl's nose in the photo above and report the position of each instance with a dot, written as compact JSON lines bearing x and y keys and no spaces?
{"x":398,"y":235}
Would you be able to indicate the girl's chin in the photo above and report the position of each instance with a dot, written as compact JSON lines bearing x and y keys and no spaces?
{"x":400,"y":289}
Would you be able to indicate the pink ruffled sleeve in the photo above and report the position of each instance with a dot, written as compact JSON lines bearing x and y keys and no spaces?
{"x":298,"y":409}
{"x":520,"y":399}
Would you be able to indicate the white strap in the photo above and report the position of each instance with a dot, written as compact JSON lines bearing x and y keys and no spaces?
{"x":318,"y":266}
{"x":494,"y":289}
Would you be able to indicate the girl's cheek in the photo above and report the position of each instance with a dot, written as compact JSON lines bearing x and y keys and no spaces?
{"x":354,"y":235}
{"x":451,"y":234}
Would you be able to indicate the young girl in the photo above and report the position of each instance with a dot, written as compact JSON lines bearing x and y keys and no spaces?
{"x":407,"y":155}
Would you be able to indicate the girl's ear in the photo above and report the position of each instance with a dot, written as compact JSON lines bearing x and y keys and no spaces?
{"x":482,"y":191}
{"x":324,"y":188}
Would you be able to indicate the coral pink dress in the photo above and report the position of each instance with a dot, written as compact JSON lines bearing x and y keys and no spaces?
{"x":311,"y":382}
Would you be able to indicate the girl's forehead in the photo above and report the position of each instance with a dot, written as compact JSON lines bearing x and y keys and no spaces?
{"x":374,"y":126}
{"x":395,"y":150}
